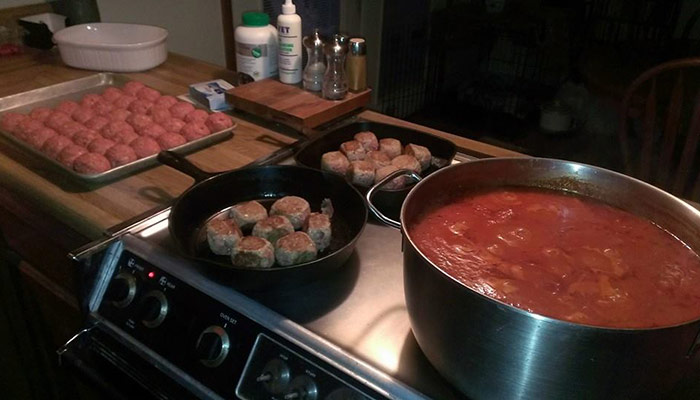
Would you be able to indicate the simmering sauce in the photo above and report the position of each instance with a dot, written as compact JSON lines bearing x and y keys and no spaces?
{"x":563,"y":256}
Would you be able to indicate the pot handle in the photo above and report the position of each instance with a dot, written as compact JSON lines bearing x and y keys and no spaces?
{"x":371,"y":192}
{"x":180,"y":163}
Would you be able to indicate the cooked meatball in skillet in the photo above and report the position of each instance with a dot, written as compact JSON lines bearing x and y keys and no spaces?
{"x":390,"y":146}
{"x":368,"y":140}
{"x":378,"y":158}
{"x":361,"y":173}
{"x":421,"y":153}
{"x":253,"y":252}
{"x":295,"y":248}
{"x":335,"y":161}
{"x":406,"y":161}
{"x":294,"y":208}
{"x":396,"y":183}
{"x":247,"y":214}
{"x":273,"y":228}
{"x":318,"y":227}
{"x":222,"y":235}
{"x":353,"y":150}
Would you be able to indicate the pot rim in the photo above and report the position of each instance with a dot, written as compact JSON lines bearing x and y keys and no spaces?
{"x":532,"y":314}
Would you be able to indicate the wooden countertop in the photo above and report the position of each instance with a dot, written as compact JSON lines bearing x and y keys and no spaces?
{"x":90,"y":210}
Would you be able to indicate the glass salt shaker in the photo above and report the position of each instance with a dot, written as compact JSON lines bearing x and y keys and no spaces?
{"x":335,"y":82}
{"x":315,"y":67}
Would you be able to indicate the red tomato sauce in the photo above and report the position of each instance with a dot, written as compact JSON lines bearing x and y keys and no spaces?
{"x":563,"y":256}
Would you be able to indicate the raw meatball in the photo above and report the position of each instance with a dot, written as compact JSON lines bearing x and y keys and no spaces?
{"x":10,"y":121}
{"x":294,"y":208}
{"x":41,"y":113}
{"x":102,"y":107}
{"x":218,"y":122}
{"x":139,"y":106}
{"x":111,"y":94}
{"x":119,"y":114}
{"x":112,"y":129}
{"x":353,"y":150}
{"x":82,"y":114}
{"x":91,"y":163}
{"x":361,"y":173}
{"x":194,"y":130}
{"x":84,"y":137}
{"x":124,"y":101}
{"x":166,"y":101}
{"x":139,"y":121}
{"x":67,"y":107}
{"x":273,"y":228}
{"x":70,"y":128}
{"x":144,"y":146}
{"x":27,"y":127}
{"x":100,"y":145}
{"x":37,"y":138}
{"x":196,"y":116}
{"x":318,"y":227}
{"x":378,"y":158}
{"x":247,"y":214}
{"x":173,"y":125}
{"x":54,"y":145}
{"x":368,"y":140}
{"x":97,"y":122}
{"x":69,"y":154}
{"x":89,"y":100}
{"x":125,"y":137}
{"x":160,"y":114}
{"x":153,"y":131}
{"x":168,"y":140}
{"x":148,"y":94}
{"x":406,"y":161}
{"x":222,"y":235}
{"x":180,"y":109}
{"x":253,"y":252}
{"x":295,"y":248}
{"x":132,"y":87}
{"x":335,"y":161}
{"x":396,"y":183}
{"x":55,"y":120}
{"x":120,"y":154}
{"x":390,"y":146}
{"x":421,"y":153}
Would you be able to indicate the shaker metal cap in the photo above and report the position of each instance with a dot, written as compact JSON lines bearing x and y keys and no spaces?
{"x":315,"y":40}
{"x":336,"y":46}
{"x":358,"y":47}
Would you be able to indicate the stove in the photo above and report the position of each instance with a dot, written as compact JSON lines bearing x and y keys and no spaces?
{"x":166,"y":325}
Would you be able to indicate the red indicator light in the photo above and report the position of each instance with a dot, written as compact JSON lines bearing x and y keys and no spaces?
{"x":151,"y":274}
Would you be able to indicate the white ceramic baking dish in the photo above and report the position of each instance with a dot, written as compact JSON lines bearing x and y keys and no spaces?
{"x":112,"y":46}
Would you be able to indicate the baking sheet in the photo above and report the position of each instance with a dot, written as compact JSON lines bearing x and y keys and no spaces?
{"x":53,"y":95}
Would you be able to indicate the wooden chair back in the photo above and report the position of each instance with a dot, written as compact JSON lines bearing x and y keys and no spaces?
{"x":660,"y":127}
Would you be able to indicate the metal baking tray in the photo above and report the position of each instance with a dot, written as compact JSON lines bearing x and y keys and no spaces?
{"x":51,"y":96}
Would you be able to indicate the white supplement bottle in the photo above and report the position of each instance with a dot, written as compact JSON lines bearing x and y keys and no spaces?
{"x":289,"y":31}
{"x":256,"y":48}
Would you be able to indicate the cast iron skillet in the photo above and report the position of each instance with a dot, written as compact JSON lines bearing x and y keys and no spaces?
{"x":388,"y":201}
{"x":213,"y":193}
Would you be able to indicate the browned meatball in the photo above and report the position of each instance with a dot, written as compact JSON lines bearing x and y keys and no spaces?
{"x":390,"y":146}
{"x":396,"y":183}
{"x":406,"y":162}
{"x":295,"y":248}
{"x":378,"y":158}
{"x":294,"y":208}
{"x":421,"y":153}
{"x":353,"y":150}
{"x":318,"y":227}
{"x":368,"y":140}
{"x":253,"y":252}
{"x":361,"y":173}
{"x":222,"y":235}
{"x":247,"y":214}
{"x":335,"y":161}
{"x":273,"y":228}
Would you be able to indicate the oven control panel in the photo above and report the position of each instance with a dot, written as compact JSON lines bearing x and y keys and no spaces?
{"x":221,"y":348}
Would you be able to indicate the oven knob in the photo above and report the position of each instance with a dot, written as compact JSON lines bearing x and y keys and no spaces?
{"x":212,"y":346}
{"x":275,"y":376}
{"x":153,"y":309}
{"x":302,"y":388}
{"x":122,"y":290}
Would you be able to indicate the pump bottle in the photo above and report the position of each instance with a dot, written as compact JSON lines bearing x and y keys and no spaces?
{"x":290,"y":51}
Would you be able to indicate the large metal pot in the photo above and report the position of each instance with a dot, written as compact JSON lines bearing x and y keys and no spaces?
{"x":491,"y":350}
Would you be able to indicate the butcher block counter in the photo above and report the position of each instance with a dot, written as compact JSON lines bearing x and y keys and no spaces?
{"x":44,"y":214}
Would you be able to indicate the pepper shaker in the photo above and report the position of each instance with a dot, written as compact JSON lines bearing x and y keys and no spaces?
{"x":315,"y":67}
{"x":335,"y":82}
{"x":357,"y":65}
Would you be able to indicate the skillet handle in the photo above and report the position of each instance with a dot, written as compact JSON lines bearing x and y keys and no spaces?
{"x":180,"y":163}
{"x":371,"y":192}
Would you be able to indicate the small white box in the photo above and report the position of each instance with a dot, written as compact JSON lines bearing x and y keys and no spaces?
{"x":211,"y":94}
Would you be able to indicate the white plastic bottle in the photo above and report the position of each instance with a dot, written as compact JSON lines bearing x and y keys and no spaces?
{"x":256,"y":48}
{"x":289,"y":32}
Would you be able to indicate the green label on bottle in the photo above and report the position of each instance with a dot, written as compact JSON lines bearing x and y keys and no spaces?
{"x":256,"y":52}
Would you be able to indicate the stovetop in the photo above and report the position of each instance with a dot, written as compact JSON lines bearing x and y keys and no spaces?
{"x":358,"y":307}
